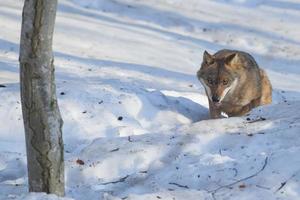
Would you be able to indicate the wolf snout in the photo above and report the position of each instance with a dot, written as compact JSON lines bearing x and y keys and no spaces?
{"x":215,"y":99}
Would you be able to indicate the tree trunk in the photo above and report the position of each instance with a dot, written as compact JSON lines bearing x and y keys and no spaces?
{"x":42,"y":119}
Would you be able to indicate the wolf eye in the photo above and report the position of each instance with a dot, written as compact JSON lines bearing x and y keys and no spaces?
{"x":225,"y":82}
{"x":210,"y":62}
{"x":210,"y":81}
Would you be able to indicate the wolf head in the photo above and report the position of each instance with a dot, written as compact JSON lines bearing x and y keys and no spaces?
{"x":219,"y":75}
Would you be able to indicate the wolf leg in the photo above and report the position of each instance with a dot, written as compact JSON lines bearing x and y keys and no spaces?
{"x":215,"y":113}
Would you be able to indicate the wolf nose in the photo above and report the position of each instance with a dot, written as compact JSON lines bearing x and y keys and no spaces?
{"x":215,"y":99}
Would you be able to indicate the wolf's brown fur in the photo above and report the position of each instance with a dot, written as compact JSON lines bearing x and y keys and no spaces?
{"x":233,"y":83}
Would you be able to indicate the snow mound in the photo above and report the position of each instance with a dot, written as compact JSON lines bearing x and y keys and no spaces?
{"x":214,"y":157}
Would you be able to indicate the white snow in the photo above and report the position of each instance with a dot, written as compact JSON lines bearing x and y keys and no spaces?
{"x":135,"y":113}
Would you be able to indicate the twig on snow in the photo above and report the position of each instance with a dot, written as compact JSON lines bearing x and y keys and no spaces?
{"x":263,"y":187}
{"x":179,"y":185}
{"x":113,"y":150}
{"x":235,"y":171}
{"x":117,"y":181}
{"x":285,"y":182}
{"x":257,"y":120}
{"x":129,"y":139}
{"x":240,"y":180}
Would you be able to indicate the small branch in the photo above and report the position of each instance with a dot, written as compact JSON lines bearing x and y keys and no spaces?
{"x":281,"y":186}
{"x":179,"y":185}
{"x":285,"y":182}
{"x":240,"y":180}
{"x":263,"y":187}
{"x":117,"y":181}
{"x":235,"y":171}
{"x":113,"y":150}
{"x":257,"y":120}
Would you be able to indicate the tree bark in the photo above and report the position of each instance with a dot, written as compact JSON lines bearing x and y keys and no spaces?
{"x":41,"y":115}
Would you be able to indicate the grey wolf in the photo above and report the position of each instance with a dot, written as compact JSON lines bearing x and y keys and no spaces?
{"x":233,"y":82}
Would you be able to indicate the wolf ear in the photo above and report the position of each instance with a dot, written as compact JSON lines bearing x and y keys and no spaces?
{"x":233,"y":59}
{"x":207,"y":58}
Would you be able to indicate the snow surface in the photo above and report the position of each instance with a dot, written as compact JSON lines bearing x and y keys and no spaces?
{"x":135,"y":115}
